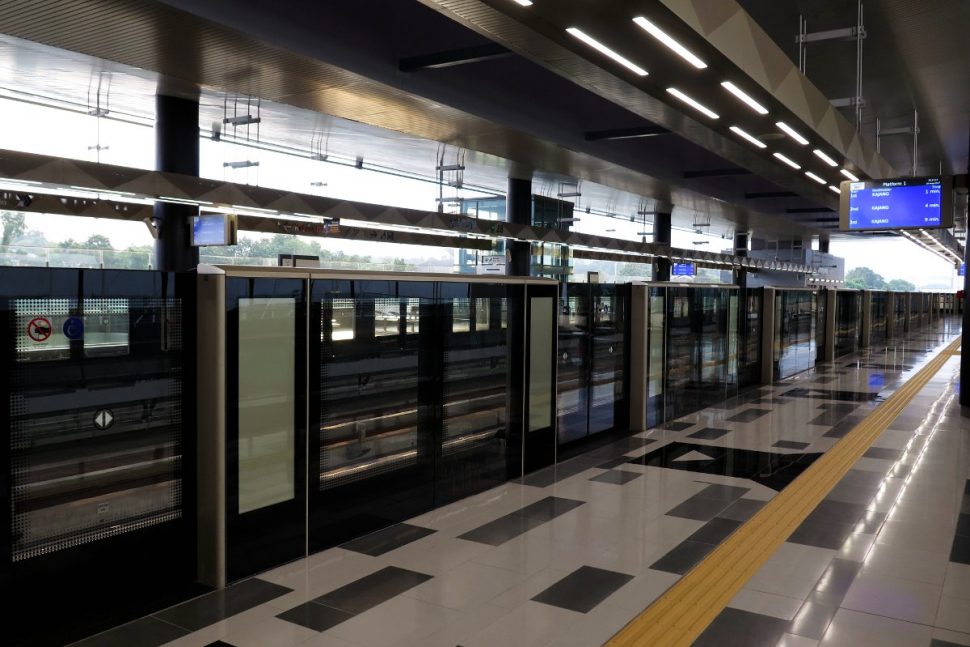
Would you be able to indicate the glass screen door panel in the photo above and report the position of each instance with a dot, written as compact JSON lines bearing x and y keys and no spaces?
{"x":608,"y":324}
{"x":572,"y":399}
{"x":472,"y":453}
{"x":657,"y":357}
{"x":265,"y":424}
{"x":372,"y":350}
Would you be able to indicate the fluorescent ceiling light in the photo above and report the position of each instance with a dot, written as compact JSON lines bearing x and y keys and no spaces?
{"x":849,"y":175}
{"x":524,"y":3}
{"x":825,"y":158}
{"x":603,"y":49}
{"x":665,"y":38}
{"x":740,"y":94}
{"x":832,"y":187}
{"x":750,"y":138}
{"x":815,"y":177}
{"x":791,"y":133}
{"x":787,"y":161}
{"x":693,"y":104}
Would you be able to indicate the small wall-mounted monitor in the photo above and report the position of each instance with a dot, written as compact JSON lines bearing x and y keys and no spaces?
{"x":901,"y":203}
{"x":214,"y":230}
{"x":682,"y":269}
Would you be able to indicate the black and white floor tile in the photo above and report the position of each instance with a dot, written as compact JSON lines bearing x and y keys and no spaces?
{"x":568,"y":555}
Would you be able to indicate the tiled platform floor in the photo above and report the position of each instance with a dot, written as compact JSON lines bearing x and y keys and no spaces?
{"x":568,"y":555}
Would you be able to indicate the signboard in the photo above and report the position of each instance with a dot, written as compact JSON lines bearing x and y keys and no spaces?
{"x":39,"y":329}
{"x":682,"y":269}
{"x":74,"y":328}
{"x":963,"y":269}
{"x":103,"y":419}
{"x":903,"y":203}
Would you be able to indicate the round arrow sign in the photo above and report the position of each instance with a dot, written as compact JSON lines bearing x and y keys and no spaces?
{"x":104,"y":418}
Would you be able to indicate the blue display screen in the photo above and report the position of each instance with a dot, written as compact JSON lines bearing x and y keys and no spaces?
{"x":209,"y":230}
{"x":896,"y":204}
{"x":682,"y":269}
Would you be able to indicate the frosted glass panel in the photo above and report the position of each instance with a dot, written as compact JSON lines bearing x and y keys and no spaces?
{"x":267,"y":355}
{"x":540,"y":364}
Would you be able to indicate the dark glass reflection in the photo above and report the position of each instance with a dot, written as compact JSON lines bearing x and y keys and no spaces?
{"x":591,"y":380}
{"x":848,"y":310}
{"x":374,"y":459}
{"x":96,"y":425}
{"x":878,"y":318}
{"x":749,"y":368}
{"x":701,"y":348}
{"x":415,"y":383}
{"x":475,"y":397}
{"x":795,"y":340}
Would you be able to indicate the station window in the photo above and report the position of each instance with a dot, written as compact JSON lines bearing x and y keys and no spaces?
{"x":505,"y":313}
{"x":342,"y":319}
{"x":48,"y":326}
{"x":412,"y":317}
{"x":387,"y":317}
{"x":106,"y":327}
{"x":482,"y":314}
{"x":461,"y":315}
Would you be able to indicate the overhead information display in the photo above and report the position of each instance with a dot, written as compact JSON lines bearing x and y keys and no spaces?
{"x":217,"y":229}
{"x":903,"y":203}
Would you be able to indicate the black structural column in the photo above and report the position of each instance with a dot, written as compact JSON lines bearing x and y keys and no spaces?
{"x":518,"y":210}
{"x":661,"y":236}
{"x":741,"y":249}
{"x":823,"y":244}
{"x":176,"y":151}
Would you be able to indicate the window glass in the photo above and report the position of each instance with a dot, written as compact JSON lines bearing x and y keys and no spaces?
{"x":342,"y":319}
{"x":460,"y":315}
{"x":387,"y":317}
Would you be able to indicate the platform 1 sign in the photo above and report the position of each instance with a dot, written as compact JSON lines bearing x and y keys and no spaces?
{"x":897,"y":203}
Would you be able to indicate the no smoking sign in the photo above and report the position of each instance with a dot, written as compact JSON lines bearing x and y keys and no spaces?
{"x":39,"y":329}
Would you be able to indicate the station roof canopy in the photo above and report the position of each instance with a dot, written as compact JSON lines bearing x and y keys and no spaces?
{"x":393,"y":81}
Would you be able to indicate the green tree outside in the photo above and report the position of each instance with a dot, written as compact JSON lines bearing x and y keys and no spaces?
{"x":863,"y":278}
{"x":14,"y":227}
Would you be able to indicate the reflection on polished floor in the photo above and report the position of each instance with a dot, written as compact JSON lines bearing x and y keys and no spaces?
{"x":570,"y":554}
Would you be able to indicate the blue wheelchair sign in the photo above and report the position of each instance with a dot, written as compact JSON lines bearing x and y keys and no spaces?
{"x":74,"y":328}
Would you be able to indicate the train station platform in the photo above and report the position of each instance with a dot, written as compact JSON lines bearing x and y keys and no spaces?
{"x":822,"y":509}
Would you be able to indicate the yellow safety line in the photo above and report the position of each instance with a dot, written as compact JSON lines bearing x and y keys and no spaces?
{"x":681,"y":614}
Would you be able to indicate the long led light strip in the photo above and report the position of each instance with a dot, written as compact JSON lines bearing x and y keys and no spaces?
{"x":825,"y":158}
{"x":836,"y":189}
{"x":849,"y":175}
{"x":524,"y":3}
{"x":751,"y":138}
{"x":743,"y":96}
{"x":788,"y":130}
{"x":693,"y":104}
{"x":815,"y":177}
{"x":606,"y":51}
{"x":787,"y":161}
{"x":667,"y":40}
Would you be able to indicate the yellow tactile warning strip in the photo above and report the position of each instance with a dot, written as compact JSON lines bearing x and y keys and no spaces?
{"x":681,"y":614}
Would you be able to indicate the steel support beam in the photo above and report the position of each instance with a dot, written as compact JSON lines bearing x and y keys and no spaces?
{"x":452,"y":57}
